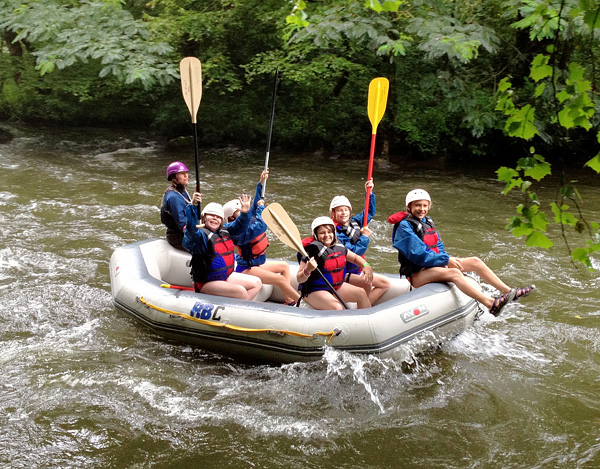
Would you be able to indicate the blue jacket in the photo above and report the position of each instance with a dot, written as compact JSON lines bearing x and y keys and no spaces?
{"x":195,"y":240}
{"x":406,"y":241}
{"x":255,"y":228}
{"x":175,"y":203}
{"x":359,"y":247}
{"x":172,"y":213}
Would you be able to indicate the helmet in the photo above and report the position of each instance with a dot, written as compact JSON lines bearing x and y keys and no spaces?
{"x":214,"y":208}
{"x":230,"y":207}
{"x":321,"y":221}
{"x":417,"y":194}
{"x":340,"y":201}
{"x":174,"y":168}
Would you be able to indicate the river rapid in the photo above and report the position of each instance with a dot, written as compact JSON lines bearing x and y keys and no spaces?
{"x":82,"y":385}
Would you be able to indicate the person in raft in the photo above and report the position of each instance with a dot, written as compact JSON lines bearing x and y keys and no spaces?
{"x":351,"y":233}
{"x":423,"y":258}
{"x":326,"y":253}
{"x":211,"y":245}
{"x":175,"y":199}
{"x":251,"y":257}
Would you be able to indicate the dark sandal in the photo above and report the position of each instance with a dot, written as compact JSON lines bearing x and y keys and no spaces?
{"x":500,"y":302}
{"x":522,"y":292}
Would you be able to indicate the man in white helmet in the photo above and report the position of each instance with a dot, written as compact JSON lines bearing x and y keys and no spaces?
{"x":356,"y":237}
{"x":423,"y":258}
{"x":211,"y":245}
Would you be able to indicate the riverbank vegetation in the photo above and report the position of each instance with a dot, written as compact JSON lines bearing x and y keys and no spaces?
{"x":508,"y":81}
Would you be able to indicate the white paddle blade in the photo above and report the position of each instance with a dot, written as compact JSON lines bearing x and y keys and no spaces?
{"x":283,"y":227}
{"x":190,"y":70}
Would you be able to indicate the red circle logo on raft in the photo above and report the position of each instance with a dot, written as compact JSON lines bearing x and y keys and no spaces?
{"x":414,"y":313}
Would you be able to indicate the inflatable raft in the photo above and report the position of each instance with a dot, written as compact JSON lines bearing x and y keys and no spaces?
{"x":150,"y":281}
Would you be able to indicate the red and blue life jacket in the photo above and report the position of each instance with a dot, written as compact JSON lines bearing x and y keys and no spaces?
{"x":330,"y":260}
{"x":424,"y":229}
{"x":218,"y":262}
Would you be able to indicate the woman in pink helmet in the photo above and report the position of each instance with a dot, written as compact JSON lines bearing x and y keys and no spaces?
{"x":175,"y":199}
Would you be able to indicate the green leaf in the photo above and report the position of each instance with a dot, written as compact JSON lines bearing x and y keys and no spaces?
{"x":539,"y":90}
{"x":581,"y":255}
{"x":538,"y":239}
{"x":523,"y":230}
{"x":520,"y":124}
{"x":540,"y":68}
{"x":539,"y":171}
{"x":506,"y":174}
{"x":594,"y":163}
{"x":539,"y":221}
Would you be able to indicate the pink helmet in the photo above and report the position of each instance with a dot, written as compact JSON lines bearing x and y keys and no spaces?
{"x":174,"y":168}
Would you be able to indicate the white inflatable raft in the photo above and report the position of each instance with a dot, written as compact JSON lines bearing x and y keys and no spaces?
{"x":265,"y":329}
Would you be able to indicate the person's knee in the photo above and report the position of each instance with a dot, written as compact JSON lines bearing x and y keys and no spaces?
{"x":454,"y":274}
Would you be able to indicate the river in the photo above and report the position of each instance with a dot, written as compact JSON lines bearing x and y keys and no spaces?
{"x":85,"y":386}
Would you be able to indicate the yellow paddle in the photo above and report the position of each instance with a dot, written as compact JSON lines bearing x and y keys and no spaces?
{"x":378,"y":94}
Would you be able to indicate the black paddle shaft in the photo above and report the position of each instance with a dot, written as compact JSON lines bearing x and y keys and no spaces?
{"x":195,"y":126}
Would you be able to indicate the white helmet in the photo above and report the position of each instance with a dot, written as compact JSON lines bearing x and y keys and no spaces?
{"x":322,"y":221}
{"x":214,"y":208}
{"x":230,"y":208}
{"x":340,"y":201}
{"x":417,"y":194}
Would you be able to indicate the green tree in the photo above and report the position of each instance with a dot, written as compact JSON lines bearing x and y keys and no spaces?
{"x":555,"y":108}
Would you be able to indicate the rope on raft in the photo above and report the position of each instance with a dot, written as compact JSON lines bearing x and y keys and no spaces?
{"x":330,"y":334}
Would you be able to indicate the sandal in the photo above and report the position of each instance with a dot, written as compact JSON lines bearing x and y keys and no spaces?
{"x":522,"y":292}
{"x":289,"y":303}
{"x":500,"y":302}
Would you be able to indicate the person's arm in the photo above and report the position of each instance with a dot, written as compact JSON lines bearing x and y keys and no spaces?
{"x":372,"y":206}
{"x":408,"y":243}
{"x":305,"y":269}
{"x":194,"y":240}
{"x":361,"y":245}
{"x":239,"y":226}
{"x":367,"y":272}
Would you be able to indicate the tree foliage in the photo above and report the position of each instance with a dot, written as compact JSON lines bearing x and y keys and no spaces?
{"x":509,"y":80}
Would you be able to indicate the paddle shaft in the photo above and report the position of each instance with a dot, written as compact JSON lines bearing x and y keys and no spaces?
{"x":378,"y":91}
{"x":369,"y":177}
{"x":191,"y":86}
{"x":264,"y":189}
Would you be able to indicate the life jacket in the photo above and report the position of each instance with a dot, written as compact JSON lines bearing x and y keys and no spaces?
{"x":352,"y":231}
{"x":165,"y":216}
{"x":218,"y":262}
{"x":332,"y":263}
{"x":255,"y":248}
{"x":426,"y":232}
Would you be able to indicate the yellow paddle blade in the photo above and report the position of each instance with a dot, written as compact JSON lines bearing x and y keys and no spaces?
{"x":283,"y":227}
{"x":190,"y":70}
{"x":378,"y":94}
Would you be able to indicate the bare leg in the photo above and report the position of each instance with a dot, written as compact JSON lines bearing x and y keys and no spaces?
{"x":223,"y":288}
{"x":444,"y":274}
{"x":250,"y":283}
{"x":355,"y":294}
{"x":379,"y":286}
{"x":474,"y":264}
{"x":278,"y":274}
{"x":323,"y":299}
